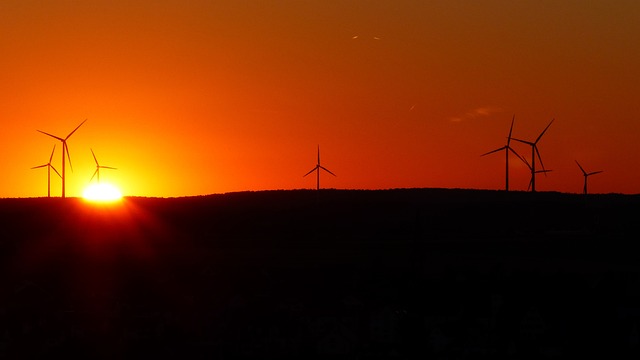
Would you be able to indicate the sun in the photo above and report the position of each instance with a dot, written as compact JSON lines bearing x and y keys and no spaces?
{"x":102,"y":192}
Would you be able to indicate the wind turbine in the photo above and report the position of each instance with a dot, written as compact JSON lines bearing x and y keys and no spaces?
{"x":586,"y":175}
{"x":317,"y":169}
{"x":506,"y":149}
{"x":534,"y":152}
{"x":545,"y":171}
{"x":98,"y":167}
{"x":49,"y":167}
{"x":537,"y":172}
{"x":65,"y":149}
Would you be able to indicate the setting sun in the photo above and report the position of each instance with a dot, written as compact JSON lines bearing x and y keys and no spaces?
{"x":102,"y":193}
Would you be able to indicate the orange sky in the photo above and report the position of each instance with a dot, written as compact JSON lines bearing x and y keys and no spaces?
{"x":199,"y":97}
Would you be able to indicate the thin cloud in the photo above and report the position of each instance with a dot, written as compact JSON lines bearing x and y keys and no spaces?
{"x":479,"y":112}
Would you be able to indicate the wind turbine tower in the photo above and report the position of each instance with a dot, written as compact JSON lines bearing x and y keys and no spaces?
{"x":545,"y":171}
{"x":535,"y":152}
{"x":98,"y":167}
{"x":65,"y":149}
{"x":49,"y":167}
{"x":586,"y":175}
{"x":317,"y":170}
{"x":506,"y":149}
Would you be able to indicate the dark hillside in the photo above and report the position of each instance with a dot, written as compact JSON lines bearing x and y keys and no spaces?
{"x":406,"y":273}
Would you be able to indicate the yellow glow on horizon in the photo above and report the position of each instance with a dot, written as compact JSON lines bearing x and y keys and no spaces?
{"x":102,"y":193}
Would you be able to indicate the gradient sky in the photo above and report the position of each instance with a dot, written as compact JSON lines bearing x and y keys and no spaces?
{"x":199,"y":97}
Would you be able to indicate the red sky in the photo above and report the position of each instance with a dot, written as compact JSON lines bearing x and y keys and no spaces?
{"x":199,"y":97}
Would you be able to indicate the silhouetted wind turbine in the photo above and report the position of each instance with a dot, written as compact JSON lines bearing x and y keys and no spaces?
{"x":317,"y":168}
{"x":537,"y":172}
{"x":534,"y":152}
{"x":586,"y":175}
{"x":65,"y":149}
{"x":506,"y":149}
{"x":98,"y":167}
{"x":545,"y":171}
{"x":49,"y":167}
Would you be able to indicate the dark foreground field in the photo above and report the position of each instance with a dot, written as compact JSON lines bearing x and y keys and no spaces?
{"x":436,"y":274}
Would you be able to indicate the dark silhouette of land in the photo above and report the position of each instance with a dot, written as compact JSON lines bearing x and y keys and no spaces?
{"x":407,"y":273}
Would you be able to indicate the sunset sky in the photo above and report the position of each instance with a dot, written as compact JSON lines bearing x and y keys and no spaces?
{"x":200,"y":97}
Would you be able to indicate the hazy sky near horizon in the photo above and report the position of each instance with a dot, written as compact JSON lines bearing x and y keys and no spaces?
{"x":199,"y":97}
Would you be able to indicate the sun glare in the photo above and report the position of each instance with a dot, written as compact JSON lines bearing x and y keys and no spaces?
{"x":102,"y":193}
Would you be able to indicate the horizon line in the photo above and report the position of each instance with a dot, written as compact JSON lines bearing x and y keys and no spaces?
{"x":326,"y":189}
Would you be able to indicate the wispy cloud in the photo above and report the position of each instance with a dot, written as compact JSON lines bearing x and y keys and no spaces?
{"x":479,"y":112}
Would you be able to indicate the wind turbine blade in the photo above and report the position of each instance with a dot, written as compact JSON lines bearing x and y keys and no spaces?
{"x":518,"y":155}
{"x":108,"y":167}
{"x":51,"y":157}
{"x":539,"y":157}
{"x":511,"y":129}
{"x":94,"y":175}
{"x":54,"y":169}
{"x":543,"y":131}
{"x":40,"y":166}
{"x":94,"y":157}
{"x":492,"y":151}
{"x":53,"y":136}
{"x":524,"y":142}
{"x":530,"y":184}
{"x":64,"y":144}
{"x":314,"y":169}
{"x":327,"y":170}
{"x":74,"y":130}
{"x":584,"y":172}
{"x":595,"y":172}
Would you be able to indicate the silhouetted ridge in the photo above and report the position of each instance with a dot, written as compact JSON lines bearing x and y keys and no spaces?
{"x":410,"y":273}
